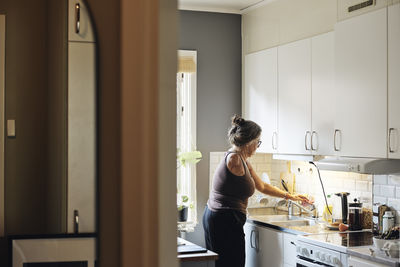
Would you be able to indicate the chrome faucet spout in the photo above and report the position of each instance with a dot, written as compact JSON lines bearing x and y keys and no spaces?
{"x":291,"y":203}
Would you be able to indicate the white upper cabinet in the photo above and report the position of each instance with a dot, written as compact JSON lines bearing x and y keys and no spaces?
{"x":80,"y":26}
{"x":394,"y":81}
{"x":323,"y":93}
{"x":260,"y":95}
{"x":294,"y":101}
{"x":361,"y":85}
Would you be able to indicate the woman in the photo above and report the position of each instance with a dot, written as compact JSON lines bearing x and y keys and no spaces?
{"x":234,"y":182}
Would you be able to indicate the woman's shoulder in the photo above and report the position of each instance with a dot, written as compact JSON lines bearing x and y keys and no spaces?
{"x":234,"y":164}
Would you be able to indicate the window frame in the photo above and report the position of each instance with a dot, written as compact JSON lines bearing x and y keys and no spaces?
{"x":187,"y":186}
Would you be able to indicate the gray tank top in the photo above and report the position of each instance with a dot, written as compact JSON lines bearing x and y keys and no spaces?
{"x":230,"y":191}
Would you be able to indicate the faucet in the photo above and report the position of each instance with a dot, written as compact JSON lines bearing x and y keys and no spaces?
{"x":312,"y":211}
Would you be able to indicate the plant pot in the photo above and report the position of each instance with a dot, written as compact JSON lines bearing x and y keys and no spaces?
{"x":183,"y":214}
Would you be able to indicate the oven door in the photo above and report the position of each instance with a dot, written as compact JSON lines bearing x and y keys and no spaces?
{"x":301,"y":262}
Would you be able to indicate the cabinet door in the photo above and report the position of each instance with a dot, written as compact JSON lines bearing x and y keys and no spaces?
{"x":323,"y":93}
{"x":264,"y":247}
{"x":270,"y":247}
{"x":358,"y":262}
{"x":394,"y":80}
{"x":81,"y":136}
{"x":251,"y":232}
{"x":260,"y":95}
{"x":294,"y":101}
{"x":79,"y":22}
{"x":361,"y":85}
{"x":289,"y":249}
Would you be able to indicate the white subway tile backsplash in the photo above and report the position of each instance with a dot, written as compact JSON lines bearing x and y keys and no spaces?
{"x":381,"y":200}
{"x":394,"y":179}
{"x":377,"y":190}
{"x":394,"y":203}
{"x":380,"y":179}
{"x":362,"y":185}
{"x":388,"y":191}
{"x":397,"y":191}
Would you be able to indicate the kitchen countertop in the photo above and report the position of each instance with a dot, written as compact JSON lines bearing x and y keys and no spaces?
{"x":378,"y":257}
{"x":262,"y":217}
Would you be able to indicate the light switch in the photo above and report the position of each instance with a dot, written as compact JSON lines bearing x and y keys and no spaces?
{"x":10,"y":128}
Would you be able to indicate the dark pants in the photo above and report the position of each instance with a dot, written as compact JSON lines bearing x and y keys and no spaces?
{"x":223,"y":231}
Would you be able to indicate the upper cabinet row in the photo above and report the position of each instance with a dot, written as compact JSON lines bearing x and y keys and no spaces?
{"x":333,"y":94}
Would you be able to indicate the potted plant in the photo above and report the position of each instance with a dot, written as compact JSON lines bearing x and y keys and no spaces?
{"x":183,"y":208}
{"x":184,"y":159}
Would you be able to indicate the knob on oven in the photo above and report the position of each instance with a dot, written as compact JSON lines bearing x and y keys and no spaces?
{"x":305,"y":252}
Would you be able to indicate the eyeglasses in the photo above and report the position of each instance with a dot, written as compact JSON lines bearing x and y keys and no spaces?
{"x":259,"y":143}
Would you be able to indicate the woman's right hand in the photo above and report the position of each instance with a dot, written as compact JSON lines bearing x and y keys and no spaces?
{"x":301,"y":198}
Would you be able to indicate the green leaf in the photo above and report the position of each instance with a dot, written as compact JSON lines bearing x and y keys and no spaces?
{"x":189,"y":157}
{"x":185,"y":199}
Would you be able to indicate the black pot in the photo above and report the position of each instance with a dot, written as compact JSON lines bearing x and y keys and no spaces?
{"x":183,"y":214}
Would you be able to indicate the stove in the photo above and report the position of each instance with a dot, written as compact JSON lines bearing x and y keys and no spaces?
{"x":329,"y":249}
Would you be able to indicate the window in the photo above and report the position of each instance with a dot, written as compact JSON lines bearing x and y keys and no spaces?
{"x":186,"y":138}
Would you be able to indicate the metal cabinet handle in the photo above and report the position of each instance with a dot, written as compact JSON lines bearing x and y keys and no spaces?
{"x":76,"y":221}
{"x":77,"y":18}
{"x":305,"y":140}
{"x":314,"y":133}
{"x":251,"y":239}
{"x":334,"y":140}
{"x":291,"y":242}
{"x":274,"y":136}
{"x":390,"y":140}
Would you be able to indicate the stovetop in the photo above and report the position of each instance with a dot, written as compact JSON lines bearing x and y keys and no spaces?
{"x":340,"y":241}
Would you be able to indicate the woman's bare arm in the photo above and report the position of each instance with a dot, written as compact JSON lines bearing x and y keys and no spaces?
{"x":272,"y":190}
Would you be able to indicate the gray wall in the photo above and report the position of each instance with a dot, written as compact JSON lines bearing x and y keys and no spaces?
{"x":217,"y":39}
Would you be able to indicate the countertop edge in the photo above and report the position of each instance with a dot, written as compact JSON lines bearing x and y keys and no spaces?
{"x":276,"y":227}
{"x":206,"y":256}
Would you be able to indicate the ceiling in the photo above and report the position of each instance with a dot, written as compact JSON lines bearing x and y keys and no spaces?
{"x":224,"y":6}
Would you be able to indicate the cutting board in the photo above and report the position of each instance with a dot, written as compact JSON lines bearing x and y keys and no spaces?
{"x":289,"y":178}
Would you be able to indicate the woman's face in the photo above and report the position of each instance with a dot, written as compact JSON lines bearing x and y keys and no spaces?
{"x":253,"y":145}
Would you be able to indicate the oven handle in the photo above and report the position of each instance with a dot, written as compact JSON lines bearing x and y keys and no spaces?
{"x":301,"y":262}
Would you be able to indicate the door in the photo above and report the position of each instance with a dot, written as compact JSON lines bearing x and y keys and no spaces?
{"x":261,"y":95}
{"x":323,"y":92}
{"x":264,"y":247}
{"x":81,"y":136}
{"x":394,"y":81}
{"x":361,"y":85}
{"x":289,"y":250}
{"x":358,"y":262}
{"x":294,"y":101}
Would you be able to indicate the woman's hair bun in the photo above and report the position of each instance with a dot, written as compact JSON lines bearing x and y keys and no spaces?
{"x":237,"y":120}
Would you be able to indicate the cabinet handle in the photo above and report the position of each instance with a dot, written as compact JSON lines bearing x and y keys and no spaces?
{"x":76,"y":221}
{"x":305,"y":140}
{"x":314,"y":133}
{"x":334,"y":140}
{"x":291,"y":242}
{"x":77,"y":17}
{"x":251,"y":239}
{"x":390,"y":140}
{"x":274,"y":136}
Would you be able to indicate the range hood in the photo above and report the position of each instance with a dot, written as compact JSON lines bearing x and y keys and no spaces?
{"x":358,"y":165}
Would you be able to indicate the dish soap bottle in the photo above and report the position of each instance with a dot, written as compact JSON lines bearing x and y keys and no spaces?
{"x":327,"y":213}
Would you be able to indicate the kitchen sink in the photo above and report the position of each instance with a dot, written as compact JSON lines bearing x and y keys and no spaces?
{"x":276,"y":218}
{"x":295,"y":223}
